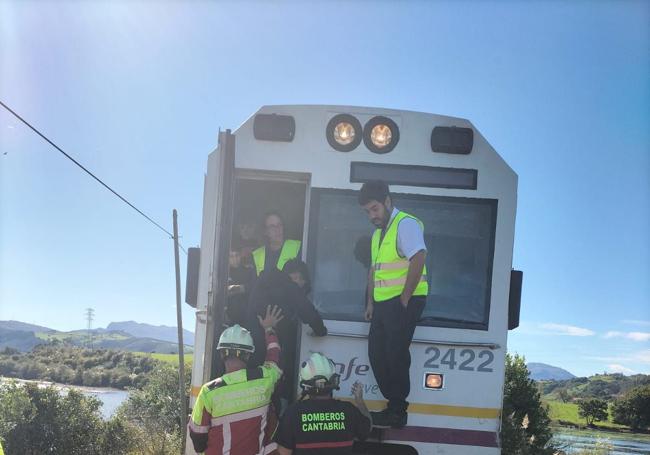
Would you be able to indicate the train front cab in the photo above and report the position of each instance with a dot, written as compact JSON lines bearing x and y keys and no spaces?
{"x":458,"y":351}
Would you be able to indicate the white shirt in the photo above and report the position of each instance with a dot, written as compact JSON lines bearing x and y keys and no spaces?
{"x":410,"y":237}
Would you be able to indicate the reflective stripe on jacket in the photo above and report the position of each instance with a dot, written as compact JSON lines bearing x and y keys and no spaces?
{"x":230,"y":413}
{"x":290,"y":249}
{"x":391,"y":269}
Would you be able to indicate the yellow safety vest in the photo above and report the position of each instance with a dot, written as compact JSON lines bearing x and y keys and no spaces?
{"x":290,"y":250}
{"x":391,"y":269}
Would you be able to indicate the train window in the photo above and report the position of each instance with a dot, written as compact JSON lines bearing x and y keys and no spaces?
{"x":459,"y":233}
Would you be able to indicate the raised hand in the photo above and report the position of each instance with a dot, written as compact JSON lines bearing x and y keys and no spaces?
{"x":272,"y":317}
{"x":357,"y":391}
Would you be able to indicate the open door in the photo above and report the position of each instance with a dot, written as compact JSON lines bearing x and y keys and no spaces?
{"x":223,"y":230}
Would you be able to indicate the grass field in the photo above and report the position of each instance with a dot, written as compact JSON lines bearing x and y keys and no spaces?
{"x":568,"y":412}
{"x":171,"y":359}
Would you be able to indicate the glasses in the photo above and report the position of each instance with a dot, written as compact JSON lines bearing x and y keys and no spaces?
{"x":274,"y":226}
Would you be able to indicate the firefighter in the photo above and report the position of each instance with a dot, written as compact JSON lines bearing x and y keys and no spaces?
{"x":320,"y":423}
{"x":276,"y":250}
{"x":230,"y":413}
{"x":396,"y":295}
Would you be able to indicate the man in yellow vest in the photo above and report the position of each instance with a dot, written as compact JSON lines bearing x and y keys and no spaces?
{"x":397,"y":291}
{"x":276,"y":250}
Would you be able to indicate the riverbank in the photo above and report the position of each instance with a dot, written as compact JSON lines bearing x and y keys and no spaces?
{"x":60,"y":386}
{"x":600,"y":432}
{"x":571,"y":441}
{"x":111,"y":398}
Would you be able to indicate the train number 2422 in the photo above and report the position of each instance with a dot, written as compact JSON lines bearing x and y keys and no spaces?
{"x":465,"y":360}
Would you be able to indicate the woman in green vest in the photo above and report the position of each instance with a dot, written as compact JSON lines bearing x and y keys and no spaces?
{"x":276,"y":250}
{"x":397,"y":292}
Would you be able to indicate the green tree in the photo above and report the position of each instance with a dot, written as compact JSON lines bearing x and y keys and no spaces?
{"x":563,"y":394}
{"x":16,"y":410}
{"x":37,"y":420}
{"x":119,"y":437}
{"x":525,"y":422}
{"x":154,"y":412}
{"x":592,"y":410}
{"x":634,"y":408}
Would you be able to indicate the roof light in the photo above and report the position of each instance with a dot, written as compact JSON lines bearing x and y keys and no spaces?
{"x":274,"y":127}
{"x":451,"y":139}
{"x":343,"y":132}
{"x":380,"y":134}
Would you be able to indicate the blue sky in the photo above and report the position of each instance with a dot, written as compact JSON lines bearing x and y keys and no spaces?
{"x":137,"y":92}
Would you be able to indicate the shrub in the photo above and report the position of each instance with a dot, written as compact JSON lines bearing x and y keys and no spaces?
{"x":37,"y":420}
{"x":525,"y":422}
{"x":634,"y":408}
{"x":592,"y":410}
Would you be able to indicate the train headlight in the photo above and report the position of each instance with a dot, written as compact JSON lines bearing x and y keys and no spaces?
{"x":343,"y":132}
{"x":380,"y":134}
{"x":434,"y":381}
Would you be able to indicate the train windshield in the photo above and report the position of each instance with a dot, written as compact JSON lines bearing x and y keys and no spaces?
{"x":459,"y":234}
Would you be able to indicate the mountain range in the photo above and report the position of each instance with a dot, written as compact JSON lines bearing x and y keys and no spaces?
{"x":128,"y":336}
{"x":158,"y":332}
{"x":141,"y":337}
{"x":544,"y":372}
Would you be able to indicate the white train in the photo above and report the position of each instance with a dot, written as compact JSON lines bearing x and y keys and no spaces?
{"x":308,"y":162}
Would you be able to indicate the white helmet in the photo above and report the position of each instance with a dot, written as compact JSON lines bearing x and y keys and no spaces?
{"x":318,"y":372}
{"x":236,"y":340}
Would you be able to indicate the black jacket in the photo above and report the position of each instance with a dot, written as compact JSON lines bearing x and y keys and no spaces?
{"x":274,"y":287}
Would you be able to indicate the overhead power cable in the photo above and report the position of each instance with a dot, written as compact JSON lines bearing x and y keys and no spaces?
{"x":171,"y":236}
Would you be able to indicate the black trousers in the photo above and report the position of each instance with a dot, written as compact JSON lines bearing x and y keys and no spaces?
{"x":391,"y":333}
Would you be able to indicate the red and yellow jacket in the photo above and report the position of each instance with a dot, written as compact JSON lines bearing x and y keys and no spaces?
{"x":230,"y":414}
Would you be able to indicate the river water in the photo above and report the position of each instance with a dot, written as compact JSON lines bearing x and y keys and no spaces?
{"x":618,"y":444}
{"x":111,"y":399}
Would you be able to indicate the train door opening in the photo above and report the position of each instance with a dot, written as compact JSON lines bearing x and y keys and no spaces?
{"x":256,"y":195}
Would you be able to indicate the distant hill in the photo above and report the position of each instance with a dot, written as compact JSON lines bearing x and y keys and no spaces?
{"x":602,"y":386}
{"x":544,"y":372}
{"x":18,"y":339}
{"x":17,"y":325}
{"x":113,"y":339}
{"x":24,"y":337}
{"x":158,"y":332}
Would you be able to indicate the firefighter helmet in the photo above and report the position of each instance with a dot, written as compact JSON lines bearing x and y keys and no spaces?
{"x":318,"y":372}
{"x":236,"y":341}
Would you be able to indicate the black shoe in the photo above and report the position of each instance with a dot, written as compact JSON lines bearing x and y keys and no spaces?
{"x":389,"y":419}
{"x":378,"y":418}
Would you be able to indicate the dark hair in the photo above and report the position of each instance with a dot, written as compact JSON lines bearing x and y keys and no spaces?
{"x":234,"y":354}
{"x":374,"y":190}
{"x":296,"y":265}
{"x":268,"y":214}
{"x":363,"y":250}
